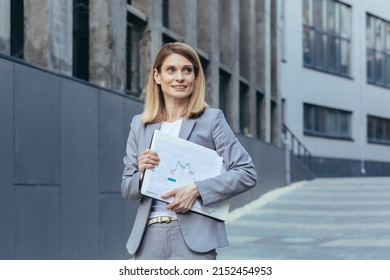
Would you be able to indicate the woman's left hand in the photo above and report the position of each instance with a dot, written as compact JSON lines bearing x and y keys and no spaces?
{"x":183,"y":198}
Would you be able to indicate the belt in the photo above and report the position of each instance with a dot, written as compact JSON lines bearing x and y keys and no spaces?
{"x":161,"y":219}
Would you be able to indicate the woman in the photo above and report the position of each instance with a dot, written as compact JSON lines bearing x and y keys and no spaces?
{"x":175,"y":104}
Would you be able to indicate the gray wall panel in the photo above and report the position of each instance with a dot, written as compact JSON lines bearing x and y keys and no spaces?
{"x":111,"y":141}
{"x":37,"y":129}
{"x":112,"y":228}
{"x":79,"y":188}
{"x":79,"y":227}
{"x":132,"y":108}
{"x":7,"y":219}
{"x":37,"y":222}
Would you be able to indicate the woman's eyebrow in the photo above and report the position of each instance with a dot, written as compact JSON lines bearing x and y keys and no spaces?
{"x":185,"y":65}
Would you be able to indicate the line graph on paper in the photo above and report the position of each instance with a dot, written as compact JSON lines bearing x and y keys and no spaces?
{"x":174,"y":171}
{"x":181,"y":163}
{"x":183,"y":170}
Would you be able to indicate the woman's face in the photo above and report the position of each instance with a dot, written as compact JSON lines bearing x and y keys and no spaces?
{"x":177,"y":77}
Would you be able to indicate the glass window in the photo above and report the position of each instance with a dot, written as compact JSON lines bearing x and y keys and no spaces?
{"x":379,"y":34}
{"x":378,"y":130}
{"x":387,"y":130}
{"x":320,"y":50}
{"x":320,"y":14}
{"x":343,"y":124}
{"x":133,"y":60}
{"x":345,"y":20}
{"x":308,"y":46}
{"x":165,"y":13}
{"x":370,"y":128}
{"x":326,"y":36}
{"x":17,"y":28}
{"x":326,"y":122}
{"x":309,"y":120}
{"x":379,"y":68}
{"x":333,"y":47}
{"x":370,"y":65}
{"x":307,"y":12}
{"x":135,"y":27}
{"x":244,"y":110}
{"x":81,"y":39}
{"x":378,"y":51}
{"x":387,"y":63}
{"x":345,"y":58}
{"x":224,"y":79}
{"x":370,"y":31}
{"x":387,"y":36}
{"x":333,"y":17}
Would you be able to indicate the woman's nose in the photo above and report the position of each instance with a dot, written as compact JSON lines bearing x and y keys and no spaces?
{"x":179,"y":76}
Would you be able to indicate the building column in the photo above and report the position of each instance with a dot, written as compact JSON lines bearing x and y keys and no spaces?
{"x":107,"y":41}
{"x":212,"y":82}
{"x":191,"y":28}
{"x":253,"y":69}
{"x":277,"y":114}
{"x":61,"y":36}
{"x":155,"y":25}
{"x":234,"y":90}
{"x":266,"y":104}
{"x":5,"y":27}
{"x":48,"y":34}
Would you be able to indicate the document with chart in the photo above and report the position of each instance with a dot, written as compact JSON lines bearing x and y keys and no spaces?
{"x":183,"y":162}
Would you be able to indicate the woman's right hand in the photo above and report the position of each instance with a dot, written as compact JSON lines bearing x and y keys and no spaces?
{"x":147,"y":160}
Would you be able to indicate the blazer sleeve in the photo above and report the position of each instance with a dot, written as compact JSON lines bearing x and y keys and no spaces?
{"x":240,"y":173}
{"x":131,"y":174}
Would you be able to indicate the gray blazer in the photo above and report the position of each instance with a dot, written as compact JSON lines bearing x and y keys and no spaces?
{"x":201,"y":233}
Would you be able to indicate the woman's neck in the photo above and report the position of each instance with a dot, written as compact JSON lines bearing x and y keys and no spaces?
{"x":173,"y":116}
{"x":175,"y":111}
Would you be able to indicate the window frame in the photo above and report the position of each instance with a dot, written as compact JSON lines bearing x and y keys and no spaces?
{"x":326,"y":114}
{"x":81,"y":40}
{"x":374,"y":121}
{"x":135,"y":25}
{"x":377,"y":48}
{"x":318,"y":30}
{"x":17,"y":28}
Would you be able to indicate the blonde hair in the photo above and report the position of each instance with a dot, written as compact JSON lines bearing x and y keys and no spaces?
{"x":154,"y":110}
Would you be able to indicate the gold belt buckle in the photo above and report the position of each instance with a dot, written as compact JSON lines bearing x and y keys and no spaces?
{"x":161,"y":219}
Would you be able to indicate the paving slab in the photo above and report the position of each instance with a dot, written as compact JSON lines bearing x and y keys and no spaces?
{"x":322,"y":219}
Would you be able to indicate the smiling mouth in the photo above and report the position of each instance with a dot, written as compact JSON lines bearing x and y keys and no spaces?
{"x":179,"y":87}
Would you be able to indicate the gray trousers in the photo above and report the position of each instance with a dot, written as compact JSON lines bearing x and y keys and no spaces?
{"x":166,"y":242}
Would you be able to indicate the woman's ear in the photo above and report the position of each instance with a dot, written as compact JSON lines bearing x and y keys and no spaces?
{"x":157,"y":77}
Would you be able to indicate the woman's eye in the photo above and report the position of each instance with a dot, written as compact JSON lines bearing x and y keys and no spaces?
{"x":170,"y":69}
{"x":188,"y":70}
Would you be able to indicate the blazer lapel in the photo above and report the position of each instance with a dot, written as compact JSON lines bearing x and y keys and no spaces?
{"x":150,"y":128}
{"x":186,"y":128}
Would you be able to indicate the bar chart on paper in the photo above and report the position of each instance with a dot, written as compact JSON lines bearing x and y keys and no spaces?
{"x":181,"y":162}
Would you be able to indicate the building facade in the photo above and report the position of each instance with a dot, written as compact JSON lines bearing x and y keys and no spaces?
{"x":335,"y":83}
{"x":112,"y":43}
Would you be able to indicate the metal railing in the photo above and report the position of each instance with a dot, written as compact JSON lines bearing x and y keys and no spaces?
{"x":295,"y":146}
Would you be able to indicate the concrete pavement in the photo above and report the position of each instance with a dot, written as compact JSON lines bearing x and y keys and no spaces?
{"x":331,"y":219}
